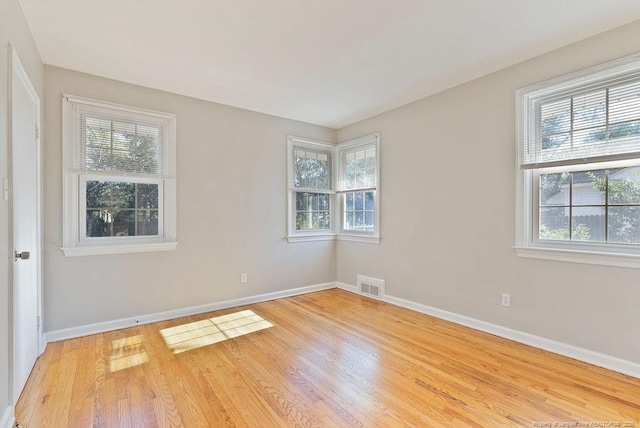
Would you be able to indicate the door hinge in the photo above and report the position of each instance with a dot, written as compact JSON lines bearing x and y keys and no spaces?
{"x":38,"y":323}
{"x":37,"y":132}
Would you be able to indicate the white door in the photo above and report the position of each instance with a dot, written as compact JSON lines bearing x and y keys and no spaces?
{"x":25,"y":107}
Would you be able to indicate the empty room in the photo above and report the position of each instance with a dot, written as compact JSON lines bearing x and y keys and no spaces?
{"x":413,"y":213}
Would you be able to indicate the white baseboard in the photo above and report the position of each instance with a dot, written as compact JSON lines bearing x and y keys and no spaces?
{"x":347,"y":287}
{"x":42,"y":343}
{"x":85,"y":330}
{"x":8,"y":418}
{"x":597,"y":359}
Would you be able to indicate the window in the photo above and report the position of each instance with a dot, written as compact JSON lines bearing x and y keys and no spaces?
{"x":333,"y":190}
{"x":119,"y":178}
{"x":579,"y":159}
{"x":359,"y":189}
{"x":312,"y":189}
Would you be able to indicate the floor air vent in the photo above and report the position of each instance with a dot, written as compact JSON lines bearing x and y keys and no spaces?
{"x":371,"y":287}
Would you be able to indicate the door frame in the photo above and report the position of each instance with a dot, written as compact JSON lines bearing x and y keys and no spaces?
{"x":15,"y":68}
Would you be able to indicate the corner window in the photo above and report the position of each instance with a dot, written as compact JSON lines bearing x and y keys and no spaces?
{"x":358,"y":190}
{"x":311,"y":192}
{"x":579,"y":161}
{"x":119,"y":178}
{"x":312,"y":189}
{"x":333,"y":190}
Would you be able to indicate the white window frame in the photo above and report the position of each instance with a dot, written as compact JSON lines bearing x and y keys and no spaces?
{"x":373,"y":236}
{"x":528,"y":244}
{"x":75,"y":241}
{"x":108,"y":240}
{"x":309,"y":235}
{"x":336,"y":191}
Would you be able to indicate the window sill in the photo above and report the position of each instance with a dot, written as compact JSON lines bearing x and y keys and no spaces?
{"x":370,"y":239}
{"x":311,"y":238}
{"x":99,"y":250}
{"x":580,"y":256}
{"x":333,"y":236}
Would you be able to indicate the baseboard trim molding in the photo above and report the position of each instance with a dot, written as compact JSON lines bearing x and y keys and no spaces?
{"x":85,"y":330}
{"x":8,"y":418}
{"x":347,"y":287}
{"x":585,"y":355}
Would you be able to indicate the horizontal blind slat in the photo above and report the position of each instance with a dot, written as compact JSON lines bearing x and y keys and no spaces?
{"x":582,"y":121}
{"x":117,"y":141}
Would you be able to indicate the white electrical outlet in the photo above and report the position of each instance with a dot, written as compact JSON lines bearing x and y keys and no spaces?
{"x":506,"y":300}
{"x":243,"y":278}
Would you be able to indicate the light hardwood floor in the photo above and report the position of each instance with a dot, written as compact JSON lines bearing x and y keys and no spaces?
{"x":329,"y":359}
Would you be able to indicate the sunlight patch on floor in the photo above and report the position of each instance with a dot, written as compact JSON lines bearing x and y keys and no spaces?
{"x":126,"y":353}
{"x":186,"y":337}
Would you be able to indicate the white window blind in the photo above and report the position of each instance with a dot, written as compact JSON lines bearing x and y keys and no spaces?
{"x":583,"y":118}
{"x":113,"y":140}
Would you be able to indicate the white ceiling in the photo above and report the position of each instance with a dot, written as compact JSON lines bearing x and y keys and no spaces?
{"x":328,"y":62}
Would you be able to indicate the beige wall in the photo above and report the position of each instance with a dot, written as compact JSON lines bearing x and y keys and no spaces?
{"x":231,"y":213}
{"x":448,"y":214}
{"x":14,"y":31}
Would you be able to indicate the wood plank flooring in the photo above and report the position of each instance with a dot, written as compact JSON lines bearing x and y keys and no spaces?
{"x":326,"y":359}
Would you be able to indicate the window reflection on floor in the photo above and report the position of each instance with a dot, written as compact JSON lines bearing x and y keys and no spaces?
{"x":197,"y":334}
{"x":127,"y":352}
